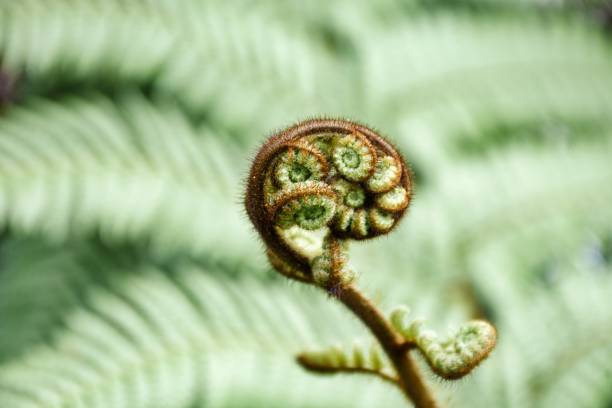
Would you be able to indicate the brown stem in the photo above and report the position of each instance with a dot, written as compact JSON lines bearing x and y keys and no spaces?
{"x":410,"y":380}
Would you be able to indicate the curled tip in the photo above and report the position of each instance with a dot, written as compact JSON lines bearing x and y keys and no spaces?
{"x":454,"y":356}
{"x":326,"y":173}
{"x":394,"y":200}
{"x":309,"y":205}
{"x":399,"y":316}
{"x":386,"y":175}
{"x":299,"y":164}
{"x":458,"y":354}
{"x":380,"y":220}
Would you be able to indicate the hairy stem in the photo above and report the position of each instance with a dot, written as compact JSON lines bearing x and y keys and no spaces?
{"x":410,"y":380}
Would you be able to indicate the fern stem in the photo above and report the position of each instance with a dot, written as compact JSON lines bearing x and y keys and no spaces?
{"x":410,"y":379}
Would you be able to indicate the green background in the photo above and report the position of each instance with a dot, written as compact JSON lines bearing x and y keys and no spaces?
{"x":131,"y":277}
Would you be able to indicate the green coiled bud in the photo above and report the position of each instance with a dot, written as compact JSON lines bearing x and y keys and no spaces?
{"x":395,"y":200}
{"x":386,"y":175}
{"x":456,"y":355}
{"x":309,"y":212}
{"x":380,"y":220}
{"x":298,"y":165}
{"x":309,"y":205}
{"x":354,"y":157}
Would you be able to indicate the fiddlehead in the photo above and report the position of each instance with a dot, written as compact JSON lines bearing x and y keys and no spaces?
{"x":324,"y":174}
{"x":451,"y":357}
{"x":316,"y":186}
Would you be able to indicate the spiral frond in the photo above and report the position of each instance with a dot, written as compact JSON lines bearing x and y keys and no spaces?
{"x":456,"y":355}
{"x":360,"y":357}
{"x":325,"y":174}
{"x":453,"y":356}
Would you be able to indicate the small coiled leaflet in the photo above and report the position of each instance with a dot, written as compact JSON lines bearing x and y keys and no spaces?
{"x":451,"y":357}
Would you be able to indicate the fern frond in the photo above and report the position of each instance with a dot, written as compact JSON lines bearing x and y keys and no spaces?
{"x":111,"y":45}
{"x":156,"y":340}
{"x":81,"y":166}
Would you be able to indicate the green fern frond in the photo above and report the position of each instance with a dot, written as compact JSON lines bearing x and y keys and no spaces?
{"x":111,"y":45}
{"x":168,"y":334}
{"x":81,"y":166}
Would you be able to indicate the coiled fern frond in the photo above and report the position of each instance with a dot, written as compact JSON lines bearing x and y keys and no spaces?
{"x":129,"y":276}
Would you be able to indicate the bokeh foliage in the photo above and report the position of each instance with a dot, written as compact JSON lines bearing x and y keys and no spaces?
{"x":130,"y":277}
